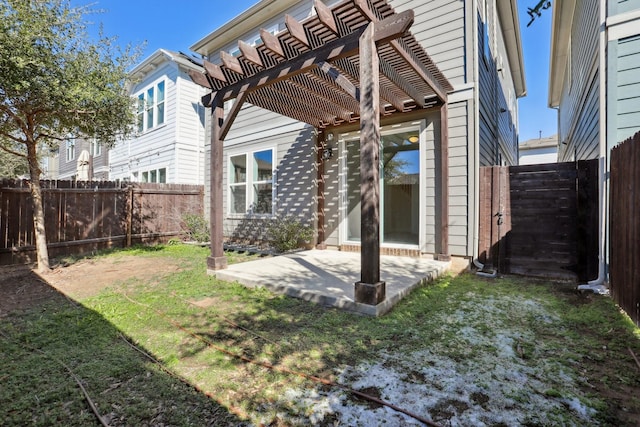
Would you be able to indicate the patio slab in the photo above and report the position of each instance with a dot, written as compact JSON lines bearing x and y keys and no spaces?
{"x":327,"y":277}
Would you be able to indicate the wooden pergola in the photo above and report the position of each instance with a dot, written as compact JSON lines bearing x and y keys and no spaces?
{"x":356,"y":61}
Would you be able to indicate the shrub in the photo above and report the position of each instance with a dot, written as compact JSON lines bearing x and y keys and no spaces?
{"x":196,"y":227}
{"x":286,"y":233}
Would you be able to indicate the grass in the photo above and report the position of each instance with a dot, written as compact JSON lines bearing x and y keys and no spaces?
{"x":569,"y":351}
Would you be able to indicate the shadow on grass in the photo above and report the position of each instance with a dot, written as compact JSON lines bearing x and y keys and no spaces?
{"x":41,"y":330}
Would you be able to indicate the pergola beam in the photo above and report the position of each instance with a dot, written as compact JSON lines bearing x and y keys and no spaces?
{"x":395,"y":25}
{"x":423,"y":72}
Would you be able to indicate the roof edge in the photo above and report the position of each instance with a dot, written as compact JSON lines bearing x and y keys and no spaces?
{"x":561,"y":25}
{"x":160,"y":55}
{"x":232,"y":30}
{"x":508,"y":14}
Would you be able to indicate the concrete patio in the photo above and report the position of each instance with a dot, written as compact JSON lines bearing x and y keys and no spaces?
{"x":327,"y":277}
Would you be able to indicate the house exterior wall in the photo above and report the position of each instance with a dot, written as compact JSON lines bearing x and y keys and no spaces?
{"x":497,"y":97}
{"x":442,"y":27}
{"x":600,"y":81}
{"x":623,"y":72}
{"x":68,"y":166}
{"x":173,"y":149}
{"x":579,"y":108}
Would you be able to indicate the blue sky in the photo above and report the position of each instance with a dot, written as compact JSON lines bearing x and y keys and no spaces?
{"x":176,"y":25}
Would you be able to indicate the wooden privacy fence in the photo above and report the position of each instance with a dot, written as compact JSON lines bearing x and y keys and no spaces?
{"x":85,"y":216}
{"x":540,"y":220}
{"x":624,"y":225}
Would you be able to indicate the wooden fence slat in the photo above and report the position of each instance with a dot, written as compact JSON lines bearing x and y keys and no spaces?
{"x":624,"y":226}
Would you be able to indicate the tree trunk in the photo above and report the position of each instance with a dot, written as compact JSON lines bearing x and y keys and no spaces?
{"x":38,"y":211}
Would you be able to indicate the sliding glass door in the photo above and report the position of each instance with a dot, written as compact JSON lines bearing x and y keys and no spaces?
{"x":399,"y":187}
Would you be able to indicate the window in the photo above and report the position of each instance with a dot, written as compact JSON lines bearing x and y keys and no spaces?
{"x":141,"y":112}
{"x":71,"y":149}
{"x":151,"y":107}
{"x":238,"y":184}
{"x":160,"y":103}
{"x":95,"y":148}
{"x":251,"y":183}
{"x":158,"y":176}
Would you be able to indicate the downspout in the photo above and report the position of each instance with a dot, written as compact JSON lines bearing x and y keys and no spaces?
{"x":598,"y":285}
{"x":476,"y":135}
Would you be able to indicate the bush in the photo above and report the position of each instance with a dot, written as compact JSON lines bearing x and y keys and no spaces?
{"x":287,"y":233}
{"x":196,"y":228}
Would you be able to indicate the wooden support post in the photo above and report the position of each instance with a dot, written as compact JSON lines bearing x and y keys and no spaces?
{"x":444,"y":254}
{"x":320,"y":147}
{"x":217,"y":260}
{"x":369,"y":290}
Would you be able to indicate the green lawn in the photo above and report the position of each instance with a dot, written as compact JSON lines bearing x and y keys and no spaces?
{"x":462,"y":350}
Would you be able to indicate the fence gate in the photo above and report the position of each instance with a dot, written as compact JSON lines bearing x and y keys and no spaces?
{"x":540,"y":220}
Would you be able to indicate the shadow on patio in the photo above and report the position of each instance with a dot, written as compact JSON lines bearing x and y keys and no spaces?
{"x":327,"y":277}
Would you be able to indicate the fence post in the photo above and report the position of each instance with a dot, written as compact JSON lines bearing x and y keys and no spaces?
{"x":129,"y":215}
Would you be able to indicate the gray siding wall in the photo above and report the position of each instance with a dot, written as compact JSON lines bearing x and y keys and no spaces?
{"x":439,"y":26}
{"x":624,"y":89}
{"x":622,"y":6}
{"x":498,"y":131}
{"x":68,"y":169}
{"x":579,"y":110}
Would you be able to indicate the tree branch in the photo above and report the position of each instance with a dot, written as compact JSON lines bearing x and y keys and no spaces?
{"x":15,"y":153}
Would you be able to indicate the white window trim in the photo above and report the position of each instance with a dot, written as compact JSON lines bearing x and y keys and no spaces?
{"x":249,"y":182}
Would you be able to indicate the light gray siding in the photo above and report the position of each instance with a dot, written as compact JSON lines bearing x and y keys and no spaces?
{"x":498,"y":109}
{"x":579,"y":110}
{"x":624,"y":89}
{"x":622,"y":6}
{"x":440,"y":27}
{"x":68,"y":169}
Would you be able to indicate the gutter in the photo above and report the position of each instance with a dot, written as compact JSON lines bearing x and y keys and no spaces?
{"x":476,"y":136}
{"x":599,"y":285}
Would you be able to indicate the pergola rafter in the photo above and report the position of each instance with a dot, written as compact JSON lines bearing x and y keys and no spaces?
{"x":353,"y":61}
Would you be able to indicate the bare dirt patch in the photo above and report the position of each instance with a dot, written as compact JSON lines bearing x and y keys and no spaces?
{"x":87,"y":278}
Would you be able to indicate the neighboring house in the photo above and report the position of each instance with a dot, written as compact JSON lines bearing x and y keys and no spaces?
{"x":49,"y":162}
{"x":270,"y":164}
{"x":594,"y":82}
{"x":169,"y":144}
{"x":594,"y":79}
{"x":539,"y":150}
{"x":82,"y":159}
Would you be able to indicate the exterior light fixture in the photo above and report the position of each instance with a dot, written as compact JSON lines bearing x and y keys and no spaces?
{"x":327,"y":153}
{"x":413,"y":139}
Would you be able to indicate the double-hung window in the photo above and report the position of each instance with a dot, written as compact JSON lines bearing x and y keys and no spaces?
{"x":95,"y":148}
{"x":151,"y":107}
{"x":251,"y":183}
{"x":70,"y":149}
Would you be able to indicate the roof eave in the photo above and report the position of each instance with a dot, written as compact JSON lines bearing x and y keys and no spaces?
{"x":508,"y":14}
{"x":560,"y":37}
{"x":233,"y":30}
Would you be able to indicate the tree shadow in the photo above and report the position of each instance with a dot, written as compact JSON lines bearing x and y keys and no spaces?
{"x":43,"y":331}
